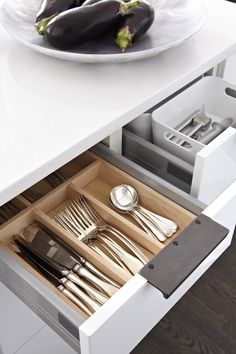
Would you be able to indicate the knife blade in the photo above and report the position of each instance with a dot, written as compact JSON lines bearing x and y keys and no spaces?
{"x":39,"y":267}
{"x":59,"y":270}
{"x":77,"y":258}
{"x":47,"y":245}
{"x":55,"y":277}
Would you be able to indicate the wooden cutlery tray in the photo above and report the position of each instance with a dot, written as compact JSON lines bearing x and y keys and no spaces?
{"x":94,"y":178}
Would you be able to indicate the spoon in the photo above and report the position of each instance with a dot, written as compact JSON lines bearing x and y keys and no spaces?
{"x":125,"y":200}
{"x":167,"y":226}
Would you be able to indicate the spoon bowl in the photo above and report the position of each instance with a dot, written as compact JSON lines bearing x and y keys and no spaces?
{"x":123,"y":198}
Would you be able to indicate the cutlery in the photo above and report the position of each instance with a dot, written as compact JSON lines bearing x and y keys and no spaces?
{"x":8,"y":210}
{"x":167,"y":226}
{"x":47,"y":245}
{"x":31,"y":195}
{"x":124,"y":198}
{"x":200,"y":122}
{"x":56,"y":178}
{"x":63,"y":285}
{"x":103,"y":227}
{"x":59,"y":270}
{"x":217,"y":129}
{"x":75,"y":219}
{"x":122,"y":201}
{"x":77,"y":260}
{"x":186,"y":124}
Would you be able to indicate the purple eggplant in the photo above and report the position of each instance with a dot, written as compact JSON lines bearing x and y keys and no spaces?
{"x":51,"y":8}
{"x":138,"y":20}
{"x":90,"y":2}
{"x":74,"y":27}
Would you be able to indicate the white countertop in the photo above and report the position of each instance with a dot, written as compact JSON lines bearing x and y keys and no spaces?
{"x":51,"y":111}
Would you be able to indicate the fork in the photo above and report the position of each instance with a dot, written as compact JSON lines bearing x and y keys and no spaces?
{"x":76,"y":220}
{"x":95,"y":223}
{"x":102,"y":226}
{"x":76,"y":223}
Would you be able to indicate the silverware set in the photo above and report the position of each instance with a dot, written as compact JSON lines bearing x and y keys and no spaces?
{"x":124,"y":199}
{"x":55,"y":179}
{"x":201,"y":127}
{"x":216,"y":129}
{"x":8,"y":211}
{"x":75,"y":277}
{"x":83,"y":221}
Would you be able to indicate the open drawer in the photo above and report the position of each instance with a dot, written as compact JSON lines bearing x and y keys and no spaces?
{"x":144,"y":298}
{"x":153,"y":141}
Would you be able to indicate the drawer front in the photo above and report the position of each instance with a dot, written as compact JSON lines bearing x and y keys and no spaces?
{"x":49,"y":307}
{"x":122,"y":322}
{"x":215,"y":167}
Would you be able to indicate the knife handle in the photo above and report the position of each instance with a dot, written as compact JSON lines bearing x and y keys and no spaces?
{"x":85,"y":273}
{"x":96,"y":294}
{"x":92,"y":304}
{"x":101,"y":275}
{"x":74,"y":299}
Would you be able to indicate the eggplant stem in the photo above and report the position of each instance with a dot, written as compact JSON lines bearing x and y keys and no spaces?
{"x":124,"y":38}
{"x":125,"y":6}
{"x":42,"y":25}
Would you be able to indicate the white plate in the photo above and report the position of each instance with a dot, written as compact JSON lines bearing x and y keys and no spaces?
{"x":175,"y":21}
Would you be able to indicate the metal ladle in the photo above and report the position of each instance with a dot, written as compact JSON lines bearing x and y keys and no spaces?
{"x":124,"y":198}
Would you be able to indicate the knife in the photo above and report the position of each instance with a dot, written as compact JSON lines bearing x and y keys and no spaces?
{"x":59,"y":270}
{"x":67,"y":287}
{"x":77,"y":258}
{"x":45,"y":244}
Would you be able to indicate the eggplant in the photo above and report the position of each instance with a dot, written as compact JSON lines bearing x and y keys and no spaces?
{"x":138,"y":20}
{"x":90,"y":2}
{"x":74,"y":27}
{"x":51,"y":8}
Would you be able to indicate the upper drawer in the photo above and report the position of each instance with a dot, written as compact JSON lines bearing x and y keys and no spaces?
{"x":184,"y":140}
{"x":116,"y":326}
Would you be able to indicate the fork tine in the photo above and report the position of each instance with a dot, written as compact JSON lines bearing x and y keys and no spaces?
{"x":68,"y":218}
{"x":90,"y":208}
{"x":76,"y":218}
{"x":80,"y":205}
{"x":64,"y":223}
{"x":83,"y":205}
{"x":88,"y":205}
{"x":81,"y":212}
{"x":80,"y":215}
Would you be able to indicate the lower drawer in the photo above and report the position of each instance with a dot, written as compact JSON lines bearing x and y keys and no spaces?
{"x":144,"y":298}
